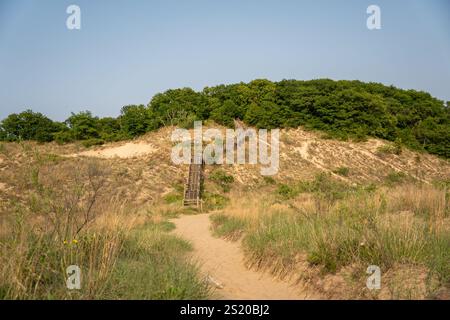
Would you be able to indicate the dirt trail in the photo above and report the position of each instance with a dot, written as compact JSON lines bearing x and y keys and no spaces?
{"x":223,"y":262}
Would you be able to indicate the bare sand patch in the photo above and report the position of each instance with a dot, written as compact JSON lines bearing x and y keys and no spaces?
{"x":128,"y":150}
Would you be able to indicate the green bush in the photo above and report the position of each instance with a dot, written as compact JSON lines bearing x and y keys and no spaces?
{"x":227,"y":227}
{"x":92,"y":142}
{"x":342,"y":171}
{"x":269,"y":180}
{"x":83,"y":125}
{"x":64,"y":137}
{"x":390,"y":149}
{"x":173,"y":198}
{"x":135,"y":120}
{"x":28,"y":125}
{"x":287,"y":192}
{"x":222,"y":179}
{"x":214,"y":201}
{"x":395,"y":178}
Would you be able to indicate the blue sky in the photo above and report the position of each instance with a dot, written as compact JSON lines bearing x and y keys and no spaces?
{"x":126,"y":51}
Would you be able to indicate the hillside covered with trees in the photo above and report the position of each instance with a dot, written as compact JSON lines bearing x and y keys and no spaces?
{"x":342,"y":109}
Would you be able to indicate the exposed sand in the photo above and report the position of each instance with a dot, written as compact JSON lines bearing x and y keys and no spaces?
{"x":128,"y":150}
{"x":223,"y":263}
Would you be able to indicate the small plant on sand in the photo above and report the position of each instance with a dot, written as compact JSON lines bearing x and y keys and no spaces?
{"x":227,"y":227}
{"x":342,"y":171}
{"x":222,"y":179}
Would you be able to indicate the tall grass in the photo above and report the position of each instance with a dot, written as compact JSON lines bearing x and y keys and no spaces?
{"x":153,"y":265}
{"x":64,"y":212}
{"x":34,"y":260}
{"x":389,"y":227}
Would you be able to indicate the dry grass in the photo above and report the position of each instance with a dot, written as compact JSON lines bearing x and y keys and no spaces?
{"x":60,"y":212}
{"x":399,"y":229}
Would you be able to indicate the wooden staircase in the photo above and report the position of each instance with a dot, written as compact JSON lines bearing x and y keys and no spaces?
{"x":192,"y":190}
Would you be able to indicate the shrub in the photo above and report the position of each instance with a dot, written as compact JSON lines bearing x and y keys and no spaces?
{"x":214,"y":201}
{"x":222,"y":179}
{"x":342,"y":171}
{"x":173,"y":198}
{"x":92,"y":142}
{"x":395,"y":178}
{"x":64,"y":137}
{"x":390,"y":149}
{"x":228,"y":227}
{"x":135,"y":120}
{"x":28,"y":125}
{"x":287,"y":192}
{"x":269,"y":180}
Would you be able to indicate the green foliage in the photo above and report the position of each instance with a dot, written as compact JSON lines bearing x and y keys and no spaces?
{"x":352,"y":232}
{"x":153,"y":265}
{"x":395,"y":178}
{"x":27,"y":125}
{"x":286,"y":192}
{"x":173,"y":198}
{"x":341,"y":109}
{"x":175,"y":106}
{"x":226,"y":113}
{"x":227,"y":227}
{"x":110,"y":129}
{"x":214,"y":201}
{"x":222,"y":179}
{"x":135,"y":120}
{"x":93,"y":142}
{"x":83,"y":125}
{"x":323,"y":186}
{"x":269,"y":180}
{"x":342,"y":171}
{"x":395,"y":148}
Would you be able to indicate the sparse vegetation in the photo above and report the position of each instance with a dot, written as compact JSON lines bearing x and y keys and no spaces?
{"x":395,"y":148}
{"x":214,"y":201}
{"x":173,"y":198}
{"x":322,"y":185}
{"x":63,"y":214}
{"x":395,"y":178}
{"x":153,"y":265}
{"x":392,"y":228}
{"x":227,"y":227}
{"x":111,"y":217}
{"x":342,"y":171}
{"x":93,"y":142}
{"x":222,"y":179}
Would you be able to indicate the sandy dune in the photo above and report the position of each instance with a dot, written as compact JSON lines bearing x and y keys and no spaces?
{"x":128,"y":150}
{"x":223,"y":263}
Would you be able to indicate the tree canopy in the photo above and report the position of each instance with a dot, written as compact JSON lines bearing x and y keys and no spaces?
{"x":343,"y":109}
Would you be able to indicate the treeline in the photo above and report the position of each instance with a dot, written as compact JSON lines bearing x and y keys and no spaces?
{"x":342,"y":109}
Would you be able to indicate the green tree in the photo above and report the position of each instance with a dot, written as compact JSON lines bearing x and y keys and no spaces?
{"x":84,"y":126}
{"x":226,"y":113}
{"x":110,"y":129}
{"x":175,"y":106}
{"x":135,"y":120}
{"x":28,"y":125}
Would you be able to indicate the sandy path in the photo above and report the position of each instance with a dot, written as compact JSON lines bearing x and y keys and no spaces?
{"x":223,"y":261}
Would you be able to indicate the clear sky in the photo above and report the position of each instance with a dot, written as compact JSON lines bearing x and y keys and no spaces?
{"x":128,"y":50}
